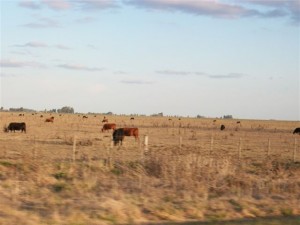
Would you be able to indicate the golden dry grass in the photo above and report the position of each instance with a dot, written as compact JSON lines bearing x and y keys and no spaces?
{"x":247,"y":170}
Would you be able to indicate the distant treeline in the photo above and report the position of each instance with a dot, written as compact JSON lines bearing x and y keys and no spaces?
{"x":65,"y":109}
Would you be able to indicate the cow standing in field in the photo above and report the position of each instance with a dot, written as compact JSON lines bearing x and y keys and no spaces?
{"x":119,"y":134}
{"x":222,"y":127}
{"x":105,"y":120}
{"x":109,"y":126}
{"x":12,"y":127}
{"x":297,"y":130}
{"x":51,"y":119}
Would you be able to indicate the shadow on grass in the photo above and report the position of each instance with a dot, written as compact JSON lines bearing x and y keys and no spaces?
{"x":257,"y":221}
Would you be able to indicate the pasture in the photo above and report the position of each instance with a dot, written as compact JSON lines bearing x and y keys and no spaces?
{"x":68,"y":172}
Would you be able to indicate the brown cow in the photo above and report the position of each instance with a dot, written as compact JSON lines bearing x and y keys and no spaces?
{"x":119,"y":134}
{"x":109,"y":126}
{"x":51,"y":119}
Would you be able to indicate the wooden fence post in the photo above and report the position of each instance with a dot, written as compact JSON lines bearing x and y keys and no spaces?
{"x":211,"y":144}
{"x":146,"y":143}
{"x":180,"y":142}
{"x":74,"y":148}
{"x":295,"y":151}
{"x":269,"y":147}
{"x":240,"y":148}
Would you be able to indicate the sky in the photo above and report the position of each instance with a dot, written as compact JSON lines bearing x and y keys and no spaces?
{"x":179,"y":57}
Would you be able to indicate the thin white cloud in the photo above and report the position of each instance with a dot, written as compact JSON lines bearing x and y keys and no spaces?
{"x":282,"y":7}
{"x":133,"y":81}
{"x":227,"y":76}
{"x":34,"y":44}
{"x":189,"y":73}
{"x":79,"y":67}
{"x":173,"y":72}
{"x":29,"y":4}
{"x":224,"y":9}
{"x":60,"y":5}
{"x":203,"y":7}
{"x":95,"y":4}
{"x":18,"y":64}
{"x":43,"y":23}
{"x":87,"y":19}
{"x":37,"y":44}
{"x":57,"y":4}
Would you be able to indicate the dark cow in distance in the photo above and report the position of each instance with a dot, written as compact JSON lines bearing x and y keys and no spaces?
{"x":51,"y":119}
{"x":297,"y":130}
{"x":222,"y":127}
{"x":12,"y":127}
{"x":109,"y":126}
{"x":105,"y":120}
{"x":119,"y":134}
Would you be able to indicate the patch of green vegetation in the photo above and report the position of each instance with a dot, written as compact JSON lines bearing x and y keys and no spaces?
{"x":117,"y":171}
{"x":286,"y":211}
{"x":59,"y":187}
{"x":61,"y":176}
{"x":215,"y":216}
{"x":7,"y":164}
{"x":237,"y":206}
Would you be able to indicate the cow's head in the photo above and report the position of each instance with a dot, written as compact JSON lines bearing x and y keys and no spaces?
{"x":5,"y":129}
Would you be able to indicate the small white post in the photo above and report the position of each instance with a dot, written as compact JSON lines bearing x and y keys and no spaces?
{"x":146,"y":143}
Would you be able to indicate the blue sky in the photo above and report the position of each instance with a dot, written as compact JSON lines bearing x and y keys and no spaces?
{"x":179,"y":57}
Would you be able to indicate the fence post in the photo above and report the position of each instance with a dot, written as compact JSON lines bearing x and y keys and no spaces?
{"x":295,"y":150}
{"x":74,"y":148}
{"x":180,"y":142}
{"x":146,"y":143}
{"x":269,"y":147}
{"x":240,"y":148}
{"x":211,"y":144}
{"x":34,"y":148}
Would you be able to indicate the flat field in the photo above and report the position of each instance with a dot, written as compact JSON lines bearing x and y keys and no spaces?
{"x":68,"y":172}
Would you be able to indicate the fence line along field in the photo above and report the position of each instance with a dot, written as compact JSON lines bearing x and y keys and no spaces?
{"x":67,"y":171}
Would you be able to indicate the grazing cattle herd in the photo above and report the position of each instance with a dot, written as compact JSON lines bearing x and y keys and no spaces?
{"x":117,"y":136}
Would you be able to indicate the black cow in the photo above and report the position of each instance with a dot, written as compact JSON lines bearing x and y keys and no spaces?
{"x":12,"y":127}
{"x":119,"y":134}
{"x":297,"y":130}
{"x":222,"y":127}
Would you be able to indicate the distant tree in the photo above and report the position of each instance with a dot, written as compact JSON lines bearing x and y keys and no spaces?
{"x":227,"y":117}
{"x":66,"y":109}
{"x":158,"y":114}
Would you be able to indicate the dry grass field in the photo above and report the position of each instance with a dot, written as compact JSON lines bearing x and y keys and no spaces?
{"x":68,"y":173}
